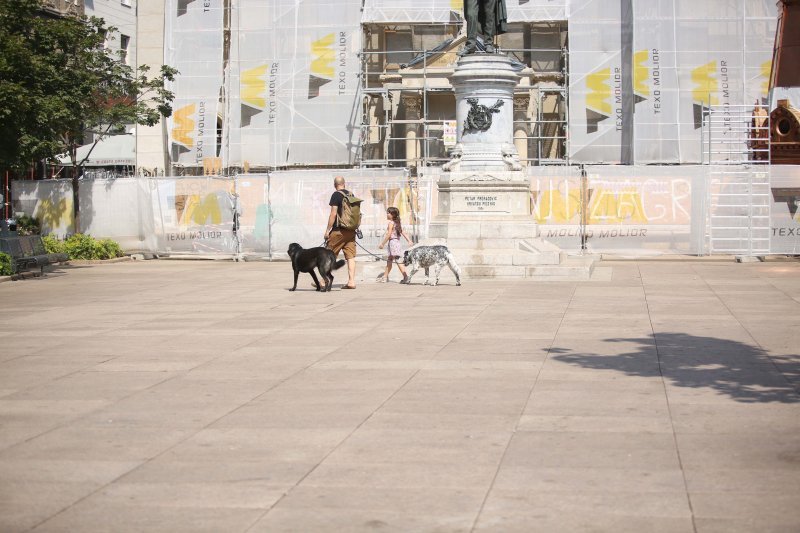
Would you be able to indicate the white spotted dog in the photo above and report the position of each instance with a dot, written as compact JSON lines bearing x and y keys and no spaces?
{"x":431,"y":256}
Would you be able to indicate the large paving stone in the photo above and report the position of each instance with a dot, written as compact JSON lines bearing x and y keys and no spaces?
{"x":204,"y":396}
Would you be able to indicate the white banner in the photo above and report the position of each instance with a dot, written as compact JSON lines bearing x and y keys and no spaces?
{"x":194,"y":47}
{"x":655,"y":84}
{"x":595,"y":86}
{"x":294,"y":83}
{"x":685,"y":57}
{"x":48,"y":201}
{"x":784,"y":211}
{"x":193,"y":215}
{"x":637,"y":210}
{"x":299,"y":204}
{"x":709,"y":44}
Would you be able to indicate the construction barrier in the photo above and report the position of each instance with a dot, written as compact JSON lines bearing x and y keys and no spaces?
{"x":630,"y":210}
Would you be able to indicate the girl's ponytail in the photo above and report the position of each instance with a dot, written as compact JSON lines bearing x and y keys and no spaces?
{"x":398,"y":226}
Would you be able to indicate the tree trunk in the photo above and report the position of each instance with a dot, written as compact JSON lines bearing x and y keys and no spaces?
{"x":76,"y":210}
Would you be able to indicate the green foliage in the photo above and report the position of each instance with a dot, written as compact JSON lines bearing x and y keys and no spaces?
{"x":80,"y":246}
{"x":6,"y":267}
{"x":111,"y":248}
{"x":53,"y":245}
{"x":57,"y":79}
{"x":28,"y":225}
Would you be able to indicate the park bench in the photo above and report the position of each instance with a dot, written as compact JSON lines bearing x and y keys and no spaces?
{"x":27,"y":252}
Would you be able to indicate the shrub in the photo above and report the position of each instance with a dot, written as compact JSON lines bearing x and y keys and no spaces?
{"x":53,"y":245}
{"x":27,"y":225}
{"x":6,"y":267}
{"x":111,"y":248}
{"x":80,"y":246}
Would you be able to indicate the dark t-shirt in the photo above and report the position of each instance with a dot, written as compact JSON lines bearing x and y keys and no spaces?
{"x":336,"y":199}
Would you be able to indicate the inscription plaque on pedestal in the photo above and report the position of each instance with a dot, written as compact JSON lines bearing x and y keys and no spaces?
{"x":479,"y":202}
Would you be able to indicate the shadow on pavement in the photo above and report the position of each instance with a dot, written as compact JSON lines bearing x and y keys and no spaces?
{"x":744,"y":372}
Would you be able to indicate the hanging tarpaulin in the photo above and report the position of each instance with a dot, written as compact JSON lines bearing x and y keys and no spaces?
{"x":760,"y":25}
{"x":723,"y":60}
{"x":324,"y":106}
{"x":537,"y":10}
{"x":655,"y":83}
{"x":194,"y":215}
{"x":709,"y":44}
{"x":595,"y":83}
{"x":444,"y":11}
{"x":293,"y":83}
{"x":413,"y":11}
{"x":257,"y":74}
{"x":194,"y":30}
{"x":684,"y":57}
{"x":298,"y":204}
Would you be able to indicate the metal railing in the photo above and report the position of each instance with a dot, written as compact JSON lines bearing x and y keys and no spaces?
{"x":734,"y":134}
{"x":736,"y":144}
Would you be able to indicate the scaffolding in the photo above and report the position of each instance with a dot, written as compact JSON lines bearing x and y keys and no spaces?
{"x":736,"y":145}
{"x":408,"y":104}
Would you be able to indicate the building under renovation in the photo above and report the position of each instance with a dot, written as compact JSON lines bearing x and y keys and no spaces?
{"x":269,"y":84}
{"x":663,"y":127}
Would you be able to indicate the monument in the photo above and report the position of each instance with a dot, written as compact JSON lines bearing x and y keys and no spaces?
{"x":485,"y":208}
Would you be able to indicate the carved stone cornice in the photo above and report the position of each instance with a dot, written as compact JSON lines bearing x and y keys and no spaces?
{"x":521,"y":102}
{"x":413,"y":105}
{"x":64,"y":8}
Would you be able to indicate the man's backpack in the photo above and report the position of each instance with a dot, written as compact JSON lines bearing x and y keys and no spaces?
{"x":349,"y":216}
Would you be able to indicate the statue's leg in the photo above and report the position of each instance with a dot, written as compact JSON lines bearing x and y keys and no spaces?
{"x":490,"y":23}
{"x":471,"y":10}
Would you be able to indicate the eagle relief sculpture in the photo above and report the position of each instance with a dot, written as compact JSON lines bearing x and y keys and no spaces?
{"x":479,"y":117}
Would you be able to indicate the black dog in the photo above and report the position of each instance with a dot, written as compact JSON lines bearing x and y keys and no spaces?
{"x":307,"y":260}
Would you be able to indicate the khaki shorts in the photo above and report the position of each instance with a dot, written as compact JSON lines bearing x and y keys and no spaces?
{"x":343,"y":239}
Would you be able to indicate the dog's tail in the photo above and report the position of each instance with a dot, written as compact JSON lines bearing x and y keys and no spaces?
{"x":451,"y":262}
{"x":339,"y":264}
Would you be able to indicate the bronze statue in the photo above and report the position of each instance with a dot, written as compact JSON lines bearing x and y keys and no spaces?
{"x":487,"y":17}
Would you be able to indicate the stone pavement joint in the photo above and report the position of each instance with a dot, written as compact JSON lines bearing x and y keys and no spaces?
{"x":204,"y":396}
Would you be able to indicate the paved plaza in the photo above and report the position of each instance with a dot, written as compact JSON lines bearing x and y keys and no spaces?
{"x":172,"y":396}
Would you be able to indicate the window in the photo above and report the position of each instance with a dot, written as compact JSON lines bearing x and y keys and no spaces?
{"x":124,"y":43}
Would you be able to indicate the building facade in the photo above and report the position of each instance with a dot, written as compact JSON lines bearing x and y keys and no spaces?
{"x":274,"y":85}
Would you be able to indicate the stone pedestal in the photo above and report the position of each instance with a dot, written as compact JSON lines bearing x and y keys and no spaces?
{"x":484,"y":87}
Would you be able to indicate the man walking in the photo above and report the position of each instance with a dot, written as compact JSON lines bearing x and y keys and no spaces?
{"x":339,"y":238}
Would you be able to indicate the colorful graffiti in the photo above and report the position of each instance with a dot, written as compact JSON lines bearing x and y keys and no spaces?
{"x":626,"y":201}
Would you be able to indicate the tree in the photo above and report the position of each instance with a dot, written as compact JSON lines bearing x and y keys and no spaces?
{"x":58,"y":80}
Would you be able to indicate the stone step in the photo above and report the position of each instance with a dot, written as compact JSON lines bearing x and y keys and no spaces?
{"x":542,"y":258}
{"x":511,"y":252}
{"x":493,"y":271}
{"x":573,"y":268}
{"x":472,"y":243}
{"x":504,"y":257}
{"x":483,"y":257}
{"x":484,"y":229}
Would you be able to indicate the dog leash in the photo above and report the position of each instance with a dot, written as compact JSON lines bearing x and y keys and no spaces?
{"x":378,"y":257}
{"x":375,"y":255}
